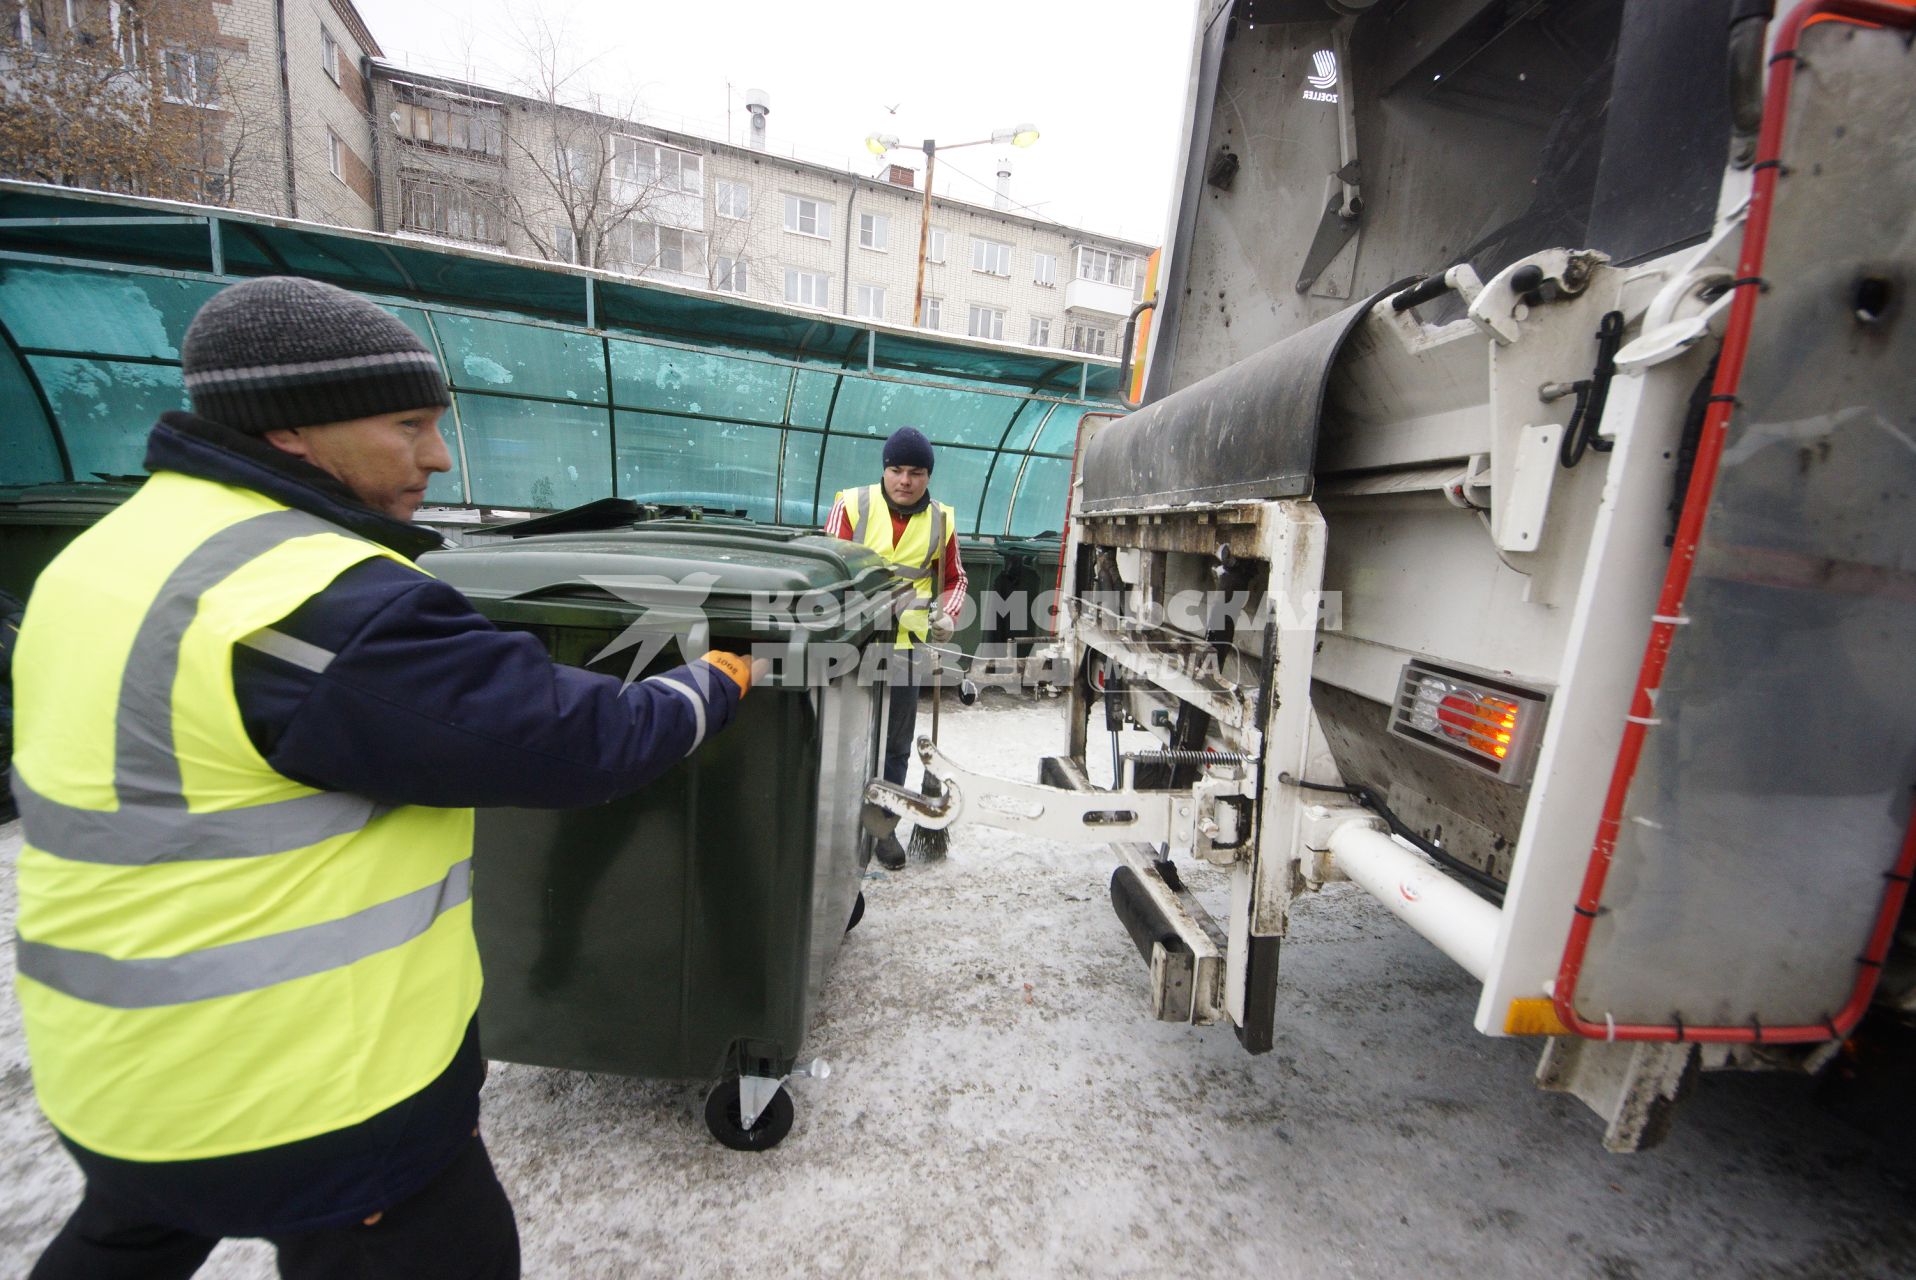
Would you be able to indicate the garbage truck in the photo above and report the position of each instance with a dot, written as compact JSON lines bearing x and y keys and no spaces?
{"x":1519,"y":522}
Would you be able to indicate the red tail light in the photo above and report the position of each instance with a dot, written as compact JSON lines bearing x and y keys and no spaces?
{"x":1480,"y":719}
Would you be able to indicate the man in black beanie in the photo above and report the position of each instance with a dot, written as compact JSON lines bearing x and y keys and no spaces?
{"x":249,"y":733}
{"x":899,"y":519}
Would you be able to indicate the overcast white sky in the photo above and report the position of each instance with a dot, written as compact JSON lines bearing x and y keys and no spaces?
{"x":1104,"y":83}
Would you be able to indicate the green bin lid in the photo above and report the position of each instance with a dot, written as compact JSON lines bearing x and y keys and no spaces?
{"x":62,"y":502}
{"x":748,"y":582}
{"x":1041,"y":545}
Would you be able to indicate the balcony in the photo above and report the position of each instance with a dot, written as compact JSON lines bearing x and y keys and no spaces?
{"x":1091,"y":295}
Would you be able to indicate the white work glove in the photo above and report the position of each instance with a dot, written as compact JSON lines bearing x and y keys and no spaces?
{"x":940,"y":628}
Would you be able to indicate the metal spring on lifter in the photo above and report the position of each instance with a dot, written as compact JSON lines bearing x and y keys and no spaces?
{"x":1190,"y":757}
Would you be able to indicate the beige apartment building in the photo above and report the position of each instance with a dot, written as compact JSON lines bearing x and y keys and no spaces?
{"x":286,"y":107}
{"x":294,"y":86}
{"x":467,"y":164}
{"x":329,"y":126}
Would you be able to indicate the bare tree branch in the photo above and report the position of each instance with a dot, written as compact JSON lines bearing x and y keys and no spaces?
{"x":133,"y":99}
{"x":578,"y":180}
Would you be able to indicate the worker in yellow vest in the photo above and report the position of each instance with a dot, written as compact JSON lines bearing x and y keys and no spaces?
{"x":249,"y":731}
{"x":899,"y":519}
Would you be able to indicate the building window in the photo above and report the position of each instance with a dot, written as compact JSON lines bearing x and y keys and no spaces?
{"x":729,"y":275}
{"x":442,"y":209}
{"x":31,"y":29}
{"x":88,"y":24}
{"x":335,"y":165}
{"x":639,"y":166}
{"x":114,"y":22}
{"x":571,"y":166}
{"x":868,"y":300}
{"x":328,"y":53}
{"x":681,"y":251}
{"x":874,"y":231}
{"x":808,"y":288}
{"x":1040,"y":331}
{"x":213,"y":185}
{"x":451,"y":124}
{"x":986,"y":322}
{"x":734,"y":199}
{"x":191,"y":77}
{"x":808,"y":217}
{"x":934,"y":314}
{"x":1102,"y":266}
{"x":565,"y":242}
{"x":1088,"y":338}
{"x":1044,"y":269}
{"x":935,"y":245}
{"x":993,"y":257}
{"x":670,"y":249}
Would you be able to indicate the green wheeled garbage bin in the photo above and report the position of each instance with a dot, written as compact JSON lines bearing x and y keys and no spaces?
{"x":1029,"y":569}
{"x":686,"y":930}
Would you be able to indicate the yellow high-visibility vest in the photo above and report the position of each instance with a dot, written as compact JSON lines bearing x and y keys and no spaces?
{"x":212,"y":957}
{"x":914,"y":557}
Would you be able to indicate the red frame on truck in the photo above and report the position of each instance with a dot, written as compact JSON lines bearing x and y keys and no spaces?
{"x":1676,"y":581}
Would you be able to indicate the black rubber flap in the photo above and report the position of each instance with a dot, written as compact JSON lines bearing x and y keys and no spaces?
{"x":1668,"y":130}
{"x":1245,"y":433}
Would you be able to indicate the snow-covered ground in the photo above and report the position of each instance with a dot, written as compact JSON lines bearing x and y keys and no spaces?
{"x":1001,"y":1104}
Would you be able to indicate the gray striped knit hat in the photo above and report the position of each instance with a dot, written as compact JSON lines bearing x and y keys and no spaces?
{"x":286,"y":352}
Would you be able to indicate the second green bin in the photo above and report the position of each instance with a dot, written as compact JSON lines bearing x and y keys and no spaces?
{"x":685,"y":930}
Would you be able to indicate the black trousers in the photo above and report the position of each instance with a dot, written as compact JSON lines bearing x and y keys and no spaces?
{"x":460,"y":1227}
{"x":904,"y":678}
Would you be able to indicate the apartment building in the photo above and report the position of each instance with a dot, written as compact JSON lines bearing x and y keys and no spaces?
{"x":328,"y":101}
{"x":465,"y":163}
{"x":287,"y":107}
{"x":295,"y":85}
{"x":256,"y":104}
{"x":989,"y":272}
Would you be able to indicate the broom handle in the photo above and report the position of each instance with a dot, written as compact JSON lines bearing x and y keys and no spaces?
{"x":938,"y":666}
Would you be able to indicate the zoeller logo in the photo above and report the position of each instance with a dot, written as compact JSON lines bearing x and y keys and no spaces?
{"x":668,"y":610}
{"x":1325,"y":80}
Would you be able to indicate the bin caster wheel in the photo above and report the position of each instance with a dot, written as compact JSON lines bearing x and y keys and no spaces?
{"x":858,"y":912}
{"x":722,"y":1117}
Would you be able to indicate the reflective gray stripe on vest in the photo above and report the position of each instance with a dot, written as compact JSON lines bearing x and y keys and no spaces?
{"x":930,"y":566}
{"x":278,"y":644}
{"x":857,"y":512}
{"x":252,"y":965}
{"x":144,"y":766}
{"x":153,"y":823}
{"x":139,"y":835}
{"x":937,"y":536}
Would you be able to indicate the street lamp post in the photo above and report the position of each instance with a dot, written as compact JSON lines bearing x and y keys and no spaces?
{"x":878,"y":144}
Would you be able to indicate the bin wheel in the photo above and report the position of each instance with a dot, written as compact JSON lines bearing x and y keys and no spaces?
{"x":858,"y":912}
{"x":722,"y":1117}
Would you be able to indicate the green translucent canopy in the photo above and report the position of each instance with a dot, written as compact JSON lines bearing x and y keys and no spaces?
{"x":568,"y":385}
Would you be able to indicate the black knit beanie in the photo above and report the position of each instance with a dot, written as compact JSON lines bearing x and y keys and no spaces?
{"x":286,"y":352}
{"x":907,"y":447}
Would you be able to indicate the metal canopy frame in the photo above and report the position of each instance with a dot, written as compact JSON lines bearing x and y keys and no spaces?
{"x":56,"y":228}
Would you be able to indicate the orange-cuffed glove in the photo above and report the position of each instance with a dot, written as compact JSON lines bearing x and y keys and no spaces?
{"x":738,"y":667}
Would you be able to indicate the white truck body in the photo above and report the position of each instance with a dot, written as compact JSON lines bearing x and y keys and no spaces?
{"x":1457,"y":336}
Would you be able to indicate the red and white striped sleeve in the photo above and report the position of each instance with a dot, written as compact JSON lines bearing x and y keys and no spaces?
{"x":838,"y":524}
{"x":953,"y":601}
